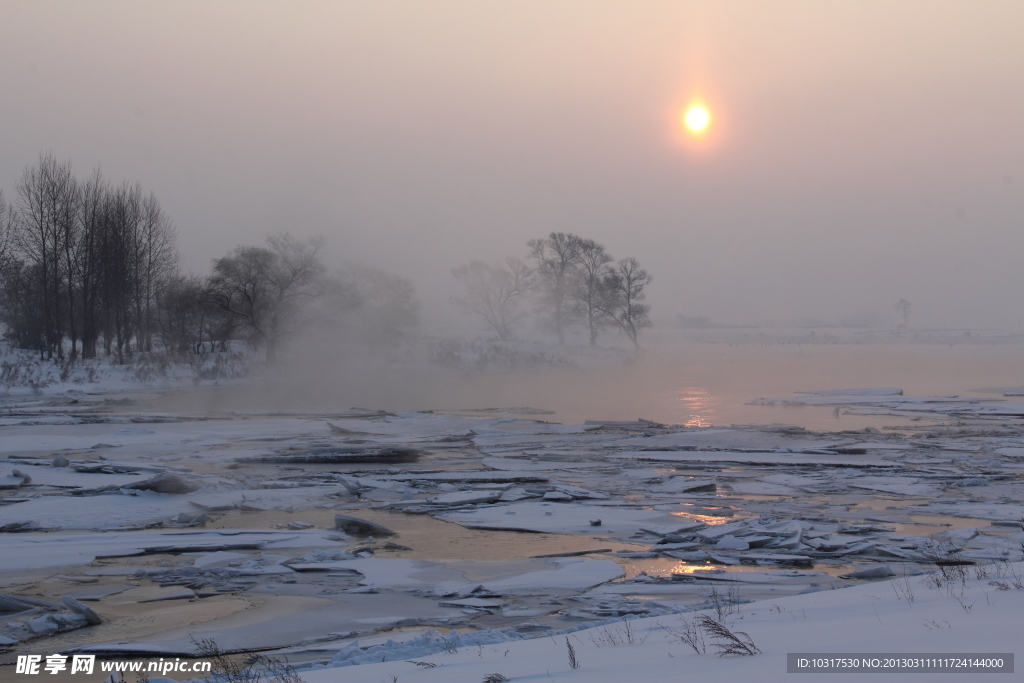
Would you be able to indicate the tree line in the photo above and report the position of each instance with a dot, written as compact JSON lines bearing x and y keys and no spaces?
{"x":81,"y":262}
{"x":89,"y":266}
{"x":572,"y":280}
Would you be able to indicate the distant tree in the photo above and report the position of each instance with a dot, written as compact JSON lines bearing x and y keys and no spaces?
{"x":118,"y":252}
{"x":156,"y":260}
{"x":378,"y":307}
{"x":588,"y":291}
{"x":263,"y":288}
{"x":903,"y":308}
{"x":494,"y":293}
{"x":557,"y":259}
{"x":187,"y":318}
{"x":623,"y":294}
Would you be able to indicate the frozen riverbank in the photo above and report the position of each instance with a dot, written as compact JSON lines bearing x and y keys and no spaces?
{"x":173,"y":525}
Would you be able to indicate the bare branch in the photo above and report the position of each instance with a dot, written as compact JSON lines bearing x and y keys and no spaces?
{"x":495,"y":292}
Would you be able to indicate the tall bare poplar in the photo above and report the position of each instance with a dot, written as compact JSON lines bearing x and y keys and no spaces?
{"x":157,"y":260}
{"x":47,"y":195}
{"x":6,"y":228}
{"x":91,"y":217}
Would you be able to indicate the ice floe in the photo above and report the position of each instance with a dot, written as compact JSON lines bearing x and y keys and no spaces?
{"x":350,"y":515}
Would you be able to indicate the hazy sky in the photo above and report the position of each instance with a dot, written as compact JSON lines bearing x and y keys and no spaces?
{"x":860,"y":152}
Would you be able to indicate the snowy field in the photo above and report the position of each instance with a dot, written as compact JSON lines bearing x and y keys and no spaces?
{"x":363,"y":545}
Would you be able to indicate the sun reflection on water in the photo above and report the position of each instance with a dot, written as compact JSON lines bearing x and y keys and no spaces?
{"x":665,"y":567}
{"x":696,"y":407}
{"x":710,"y":520}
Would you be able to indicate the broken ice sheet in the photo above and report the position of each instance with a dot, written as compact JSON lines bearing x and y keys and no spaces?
{"x":566,"y":518}
{"x":466,"y":497}
{"x":520,"y":464}
{"x":27,"y":551}
{"x":521,"y":458}
{"x":566,"y":573}
{"x":67,"y":477}
{"x":393,"y":573}
{"x":753,"y":458}
{"x":558,"y":572}
{"x":286,"y":621}
{"x":892,"y":484}
{"x":94,"y":512}
{"x":684,"y":485}
{"x":761,"y":488}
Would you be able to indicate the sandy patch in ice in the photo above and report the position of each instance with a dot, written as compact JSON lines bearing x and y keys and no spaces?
{"x":124,"y":618}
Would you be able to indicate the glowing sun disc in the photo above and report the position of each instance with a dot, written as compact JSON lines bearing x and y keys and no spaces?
{"x":697,"y":119}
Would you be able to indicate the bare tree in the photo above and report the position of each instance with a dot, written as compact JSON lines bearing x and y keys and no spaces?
{"x":263,"y":287}
{"x":92,"y":209}
{"x":187,"y":317}
{"x":68,"y":238}
{"x":239,"y":284}
{"x":47,"y":194}
{"x":157,"y":261}
{"x":903,"y":308}
{"x":11,"y":275}
{"x":119,"y":255}
{"x":623,"y":297}
{"x":6,"y":228}
{"x":83,"y":261}
{"x":588,"y":291}
{"x":494,"y":292}
{"x":21,"y":304}
{"x":557,"y":258}
{"x":297,"y":276}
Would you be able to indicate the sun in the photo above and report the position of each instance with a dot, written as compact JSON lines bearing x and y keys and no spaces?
{"x":697,"y":119}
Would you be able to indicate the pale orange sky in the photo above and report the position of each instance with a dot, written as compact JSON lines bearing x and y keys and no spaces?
{"x":860,"y":152}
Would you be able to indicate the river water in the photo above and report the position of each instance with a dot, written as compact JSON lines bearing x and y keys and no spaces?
{"x":673,"y":381}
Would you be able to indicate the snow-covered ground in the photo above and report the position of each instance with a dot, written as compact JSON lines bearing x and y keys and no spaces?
{"x":24,"y":373}
{"x":918,"y":617}
{"x":357,"y":543}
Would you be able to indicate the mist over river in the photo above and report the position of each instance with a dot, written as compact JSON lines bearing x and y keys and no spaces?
{"x":673,"y":380}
